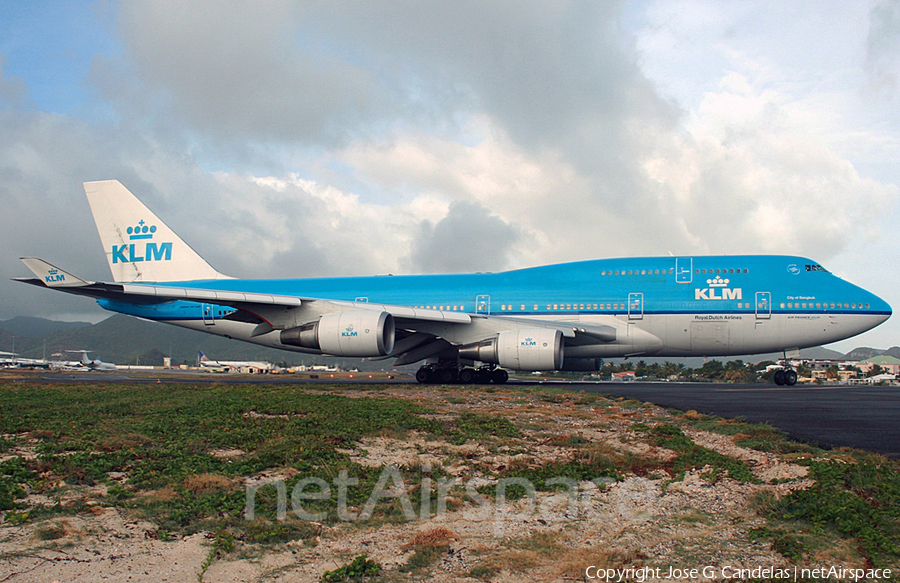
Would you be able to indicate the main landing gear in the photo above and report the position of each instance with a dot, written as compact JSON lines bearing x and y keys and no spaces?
{"x":451,"y":373}
{"x":786,"y":376}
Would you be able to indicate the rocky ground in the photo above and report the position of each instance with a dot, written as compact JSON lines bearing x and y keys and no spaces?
{"x":648,"y":518}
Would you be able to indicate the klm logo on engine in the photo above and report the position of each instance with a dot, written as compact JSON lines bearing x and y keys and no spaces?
{"x":349,"y":332}
{"x":54,"y":276}
{"x":529,"y":341}
{"x":136,"y":252}
{"x":718,"y":290}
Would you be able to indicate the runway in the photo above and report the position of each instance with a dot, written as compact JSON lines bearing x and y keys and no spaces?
{"x":832,"y":416}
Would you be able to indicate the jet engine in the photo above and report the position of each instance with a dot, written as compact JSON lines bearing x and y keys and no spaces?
{"x":348,"y":333}
{"x":528,"y":349}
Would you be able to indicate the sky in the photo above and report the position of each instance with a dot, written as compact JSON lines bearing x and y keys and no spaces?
{"x":326,"y":138}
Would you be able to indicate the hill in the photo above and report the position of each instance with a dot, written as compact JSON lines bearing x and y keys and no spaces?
{"x":126,"y":340}
{"x":31,"y":327}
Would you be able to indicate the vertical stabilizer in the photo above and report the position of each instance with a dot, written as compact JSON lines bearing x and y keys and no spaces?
{"x":138,"y":245}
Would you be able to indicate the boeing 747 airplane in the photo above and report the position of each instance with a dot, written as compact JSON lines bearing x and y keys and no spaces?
{"x":476,"y":327}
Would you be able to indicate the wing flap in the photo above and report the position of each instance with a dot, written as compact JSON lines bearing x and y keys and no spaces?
{"x":209,"y":296}
{"x":409,"y":313}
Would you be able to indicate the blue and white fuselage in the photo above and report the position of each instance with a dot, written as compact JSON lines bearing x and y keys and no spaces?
{"x":538,"y":318}
{"x":666,"y":306}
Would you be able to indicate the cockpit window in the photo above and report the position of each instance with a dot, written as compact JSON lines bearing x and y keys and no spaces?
{"x":816,"y":267}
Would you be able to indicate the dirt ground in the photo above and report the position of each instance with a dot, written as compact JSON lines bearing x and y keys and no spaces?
{"x":644,"y":520}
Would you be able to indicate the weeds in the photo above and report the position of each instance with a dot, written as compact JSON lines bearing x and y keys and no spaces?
{"x":858,"y":500}
{"x":360,"y":569}
{"x":14,"y":475}
{"x":223,"y":544}
{"x":428,"y":546}
{"x":692,"y":456}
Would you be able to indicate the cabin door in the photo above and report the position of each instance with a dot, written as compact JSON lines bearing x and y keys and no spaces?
{"x":684,"y":269}
{"x":635,"y":306}
{"x":209,"y":314}
{"x":763,"y":305}
{"x":483,"y":304}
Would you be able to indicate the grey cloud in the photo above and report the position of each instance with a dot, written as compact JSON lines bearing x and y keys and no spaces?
{"x":561,"y":75}
{"x":883,"y":45}
{"x":241,"y":71}
{"x":468,"y":239}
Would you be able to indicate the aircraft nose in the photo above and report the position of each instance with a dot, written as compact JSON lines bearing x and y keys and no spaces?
{"x":882,"y":307}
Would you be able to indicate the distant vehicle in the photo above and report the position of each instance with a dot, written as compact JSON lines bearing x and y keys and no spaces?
{"x":476,"y":327}
{"x":88,"y":364}
{"x":232,"y":365}
{"x":8,"y":359}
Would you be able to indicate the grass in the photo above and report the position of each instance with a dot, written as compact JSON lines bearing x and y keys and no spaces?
{"x":428,"y":546}
{"x":859,"y":501}
{"x":758,"y":436}
{"x":692,"y":456}
{"x":163,"y":444}
{"x":163,"y":438}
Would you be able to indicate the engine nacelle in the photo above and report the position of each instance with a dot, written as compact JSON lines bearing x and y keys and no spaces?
{"x":528,"y":349}
{"x":348,"y":333}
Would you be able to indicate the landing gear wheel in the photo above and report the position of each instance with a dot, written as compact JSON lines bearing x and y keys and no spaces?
{"x":447,"y":376}
{"x":790,"y":377}
{"x":467,"y":376}
{"x":499,"y":376}
{"x":423,"y":375}
{"x":779,"y":377}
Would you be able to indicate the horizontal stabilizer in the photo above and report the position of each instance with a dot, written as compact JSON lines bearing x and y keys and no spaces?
{"x":50,"y":275}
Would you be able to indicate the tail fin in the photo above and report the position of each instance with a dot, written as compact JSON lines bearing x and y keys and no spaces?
{"x":139,"y":246}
